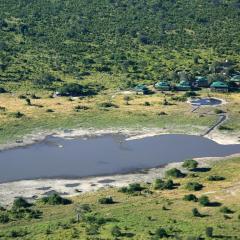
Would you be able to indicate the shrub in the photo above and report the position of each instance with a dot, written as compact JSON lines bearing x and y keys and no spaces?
{"x":116,"y":231}
{"x":209,"y":232}
{"x":190,"y":197}
{"x":135,"y":187}
{"x":194,"y":186}
{"x":20,"y":203}
{"x":49,"y":110}
{"x":80,"y":107}
{"x":22,"y":96}
{"x":216,"y":178}
{"x":2,"y":90}
{"x":204,"y":201}
{"x":225,"y":128}
{"x":147,"y":104}
{"x":17,"y":114}
{"x":218,"y":111}
{"x":190,"y":164}
{"x":28,"y":101}
{"x":108,"y":105}
{"x":196,"y":213}
{"x":55,"y":199}
{"x":127,"y":99}
{"x":132,"y":188}
{"x":17,"y":233}
{"x":179,"y":98}
{"x":190,"y":94}
{"x":161,"y":233}
{"x":226,"y":210}
{"x":106,"y":200}
{"x":74,"y":89}
{"x":4,"y":218}
{"x":174,"y":172}
{"x":159,"y":184}
{"x":92,"y":229}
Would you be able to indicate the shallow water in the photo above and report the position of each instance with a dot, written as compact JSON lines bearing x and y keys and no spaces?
{"x":206,"y":102}
{"x":105,"y":155}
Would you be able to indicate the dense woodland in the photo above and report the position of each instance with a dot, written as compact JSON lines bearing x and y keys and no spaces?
{"x":44,"y":43}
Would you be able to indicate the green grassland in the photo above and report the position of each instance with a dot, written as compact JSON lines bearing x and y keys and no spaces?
{"x":46,"y":114}
{"x":139,"y":215}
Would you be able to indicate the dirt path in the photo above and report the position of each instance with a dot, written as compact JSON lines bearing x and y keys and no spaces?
{"x":222,"y":118}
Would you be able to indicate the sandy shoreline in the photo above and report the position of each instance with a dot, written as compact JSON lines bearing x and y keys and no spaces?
{"x":34,"y":189}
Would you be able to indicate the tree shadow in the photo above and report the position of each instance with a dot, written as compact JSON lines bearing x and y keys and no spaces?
{"x":222,"y":237}
{"x":204,"y":169}
{"x":214,"y":204}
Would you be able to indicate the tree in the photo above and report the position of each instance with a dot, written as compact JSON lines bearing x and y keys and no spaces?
{"x":194,"y":186}
{"x":204,"y":201}
{"x":20,"y":203}
{"x":196,"y":213}
{"x":127,"y":99}
{"x":190,"y":197}
{"x":174,"y":172}
{"x":55,"y":199}
{"x":106,"y":200}
{"x":209,"y":232}
{"x":2,"y":90}
{"x":28,"y":101}
{"x":190,"y":164}
{"x":161,"y":233}
{"x":116,"y":231}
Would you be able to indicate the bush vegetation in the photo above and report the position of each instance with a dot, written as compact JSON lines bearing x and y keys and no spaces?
{"x":160,"y":184}
{"x":194,"y":186}
{"x":55,"y":199}
{"x":190,"y":164}
{"x":174,"y":172}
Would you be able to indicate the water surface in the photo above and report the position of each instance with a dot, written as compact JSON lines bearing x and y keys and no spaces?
{"x":105,"y":155}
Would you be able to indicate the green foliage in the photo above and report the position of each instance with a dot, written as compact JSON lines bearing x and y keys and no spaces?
{"x":194,"y":186}
{"x":174,"y":172}
{"x":20,"y":203}
{"x":218,"y":111}
{"x":196,"y":213}
{"x":116,"y":231}
{"x":17,"y":233}
{"x":132,"y":188}
{"x":204,"y":201}
{"x":17,"y":114}
{"x":226,"y":210}
{"x":161,"y":233}
{"x":2,"y":90}
{"x":160,"y":184}
{"x":209,"y":232}
{"x":190,"y":197}
{"x":74,"y":89}
{"x":215,"y":178}
{"x":55,"y":199}
{"x":4,"y":218}
{"x":106,"y":200}
{"x":190,"y":164}
{"x":190,"y":94}
{"x":80,"y":108}
{"x":108,"y":105}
